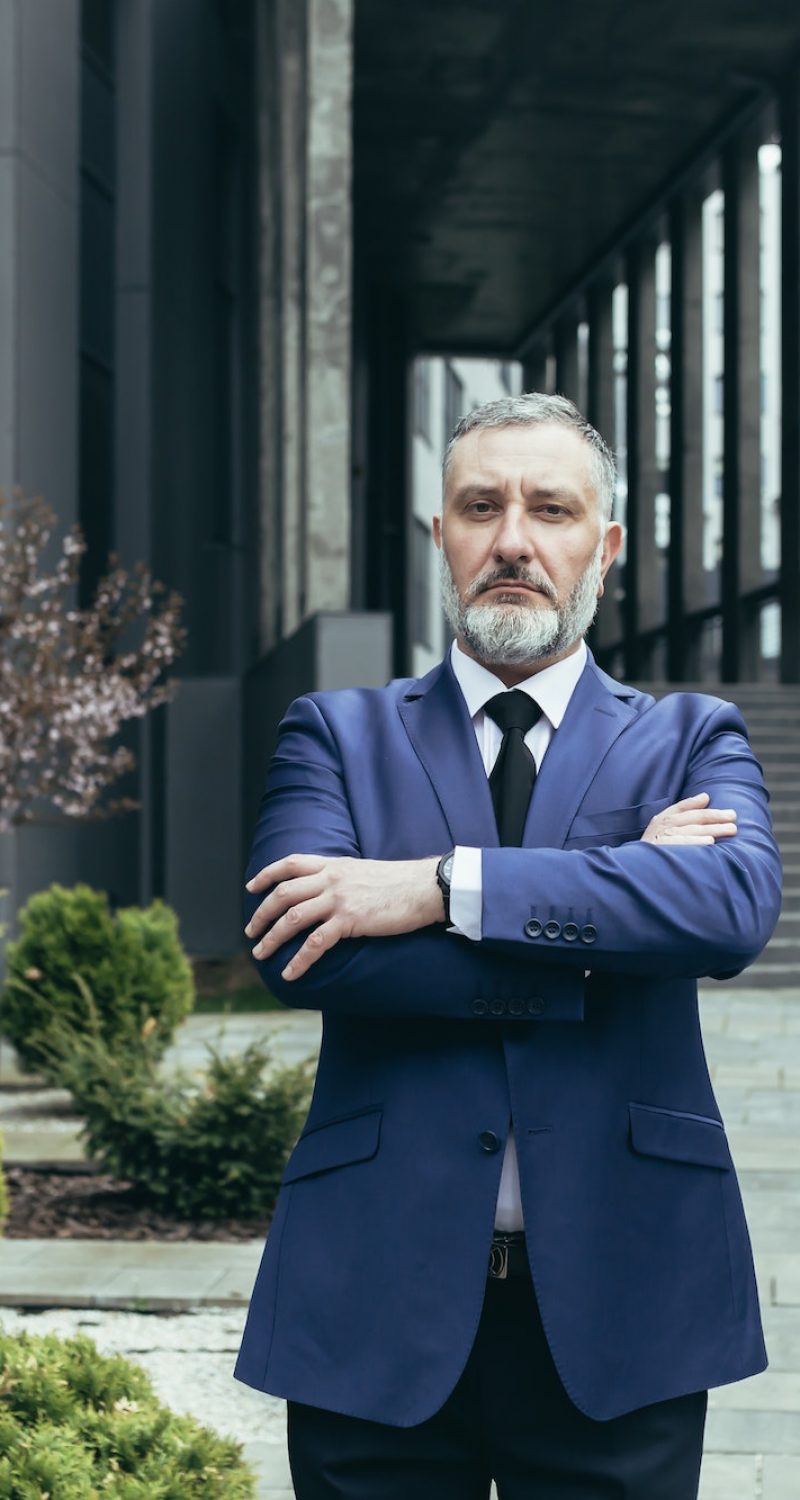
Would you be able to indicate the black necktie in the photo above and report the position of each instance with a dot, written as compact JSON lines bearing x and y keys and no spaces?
{"x":514,"y":771}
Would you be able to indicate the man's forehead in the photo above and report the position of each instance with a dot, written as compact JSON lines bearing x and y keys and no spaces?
{"x":547,"y":453}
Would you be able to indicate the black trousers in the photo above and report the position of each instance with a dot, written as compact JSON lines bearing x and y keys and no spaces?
{"x":508,"y":1419}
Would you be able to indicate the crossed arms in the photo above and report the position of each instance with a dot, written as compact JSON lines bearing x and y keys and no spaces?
{"x":698,"y":894}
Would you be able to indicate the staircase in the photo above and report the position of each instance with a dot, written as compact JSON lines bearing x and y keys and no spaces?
{"x":772,"y":716}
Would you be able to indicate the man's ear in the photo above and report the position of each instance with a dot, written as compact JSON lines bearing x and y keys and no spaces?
{"x":437,"y":531}
{"x":611,"y":544}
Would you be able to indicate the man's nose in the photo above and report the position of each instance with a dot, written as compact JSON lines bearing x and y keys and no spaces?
{"x":512,"y":540}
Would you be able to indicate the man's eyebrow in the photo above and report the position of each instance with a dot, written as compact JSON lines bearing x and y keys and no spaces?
{"x":541,"y":491}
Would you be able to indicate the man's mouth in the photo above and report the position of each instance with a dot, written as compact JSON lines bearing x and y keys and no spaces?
{"x":512,"y":587}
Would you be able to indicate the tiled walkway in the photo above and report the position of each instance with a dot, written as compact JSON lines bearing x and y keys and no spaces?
{"x":753,"y":1430}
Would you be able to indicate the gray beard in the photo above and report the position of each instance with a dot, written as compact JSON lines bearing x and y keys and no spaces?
{"x":505,"y":635}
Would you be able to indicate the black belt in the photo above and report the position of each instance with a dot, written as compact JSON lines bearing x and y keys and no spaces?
{"x":508,"y":1256}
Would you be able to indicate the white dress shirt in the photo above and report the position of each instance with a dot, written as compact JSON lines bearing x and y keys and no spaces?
{"x":552,"y":689}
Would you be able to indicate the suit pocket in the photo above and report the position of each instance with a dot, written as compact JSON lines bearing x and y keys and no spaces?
{"x":679,"y":1136}
{"x":614,"y":825}
{"x":336,"y":1143}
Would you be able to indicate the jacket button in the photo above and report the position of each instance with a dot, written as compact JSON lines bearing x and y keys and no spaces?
{"x":480,"y":1007}
{"x":569,"y":931}
{"x":533,"y":928}
{"x":535,"y":1006}
{"x":516,"y":1007}
{"x":489,"y":1141}
{"x":588,"y":933}
{"x":497,"y":1007}
{"x":552,"y":929}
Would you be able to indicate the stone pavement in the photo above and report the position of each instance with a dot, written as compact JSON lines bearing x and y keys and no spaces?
{"x":752,"y":1449}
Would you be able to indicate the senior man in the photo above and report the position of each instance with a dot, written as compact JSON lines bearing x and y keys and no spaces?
{"x":509,"y":1243}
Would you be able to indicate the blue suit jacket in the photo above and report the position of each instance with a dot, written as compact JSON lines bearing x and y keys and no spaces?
{"x":372,"y":1281}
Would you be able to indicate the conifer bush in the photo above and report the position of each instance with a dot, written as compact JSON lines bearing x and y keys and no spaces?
{"x":212,"y":1147}
{"x":131,"y":961}
{"x":75,"y":1424}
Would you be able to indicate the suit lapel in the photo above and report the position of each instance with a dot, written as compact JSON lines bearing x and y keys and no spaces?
{"x":439,"y":727}
{"x":597,"y":713}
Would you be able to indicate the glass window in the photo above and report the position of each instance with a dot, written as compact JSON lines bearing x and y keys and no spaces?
{"x":453,"y":401}
{"x":422,"y":398}
{"x":421,"y":544}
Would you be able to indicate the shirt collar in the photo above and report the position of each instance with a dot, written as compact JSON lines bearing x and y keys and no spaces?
{"x":552,"y":688}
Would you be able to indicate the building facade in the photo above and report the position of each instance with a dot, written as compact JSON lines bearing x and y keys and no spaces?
{"x":256,"y":256}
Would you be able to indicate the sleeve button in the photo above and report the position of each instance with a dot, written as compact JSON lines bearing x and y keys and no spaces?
{"x":497,"y":1007}
{"x":533,"y":928}
{"x":588,"y":933}
{"x":479,"y":1007}
{"x":516,"y":1007}
{"x":552,"y":929}
{"x":535,"y":1006}
{"x":569,"y":931}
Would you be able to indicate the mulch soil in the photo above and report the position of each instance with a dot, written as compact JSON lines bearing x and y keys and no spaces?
{"x":97,"y":1206}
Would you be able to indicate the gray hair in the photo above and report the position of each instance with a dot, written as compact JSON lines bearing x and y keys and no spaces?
{"x":531,"y":409}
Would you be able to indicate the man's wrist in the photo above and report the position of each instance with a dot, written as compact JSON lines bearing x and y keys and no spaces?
{"x":444,"y":875}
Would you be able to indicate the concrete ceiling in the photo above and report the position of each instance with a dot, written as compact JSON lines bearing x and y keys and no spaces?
{"x":500,"y":147}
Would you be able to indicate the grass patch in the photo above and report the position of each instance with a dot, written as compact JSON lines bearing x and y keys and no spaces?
{"x":247,"y":1001}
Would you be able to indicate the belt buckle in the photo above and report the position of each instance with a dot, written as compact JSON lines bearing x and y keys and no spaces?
{"x":498,"y":1260}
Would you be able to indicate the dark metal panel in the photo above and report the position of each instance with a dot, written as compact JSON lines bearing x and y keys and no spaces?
{"x":686,"y":479}
{"x":566,"y":351}
{"x":600,"y":411}
{"x":643,"y":477}
{"x":741,"y":405}
{"x":790,"y":447}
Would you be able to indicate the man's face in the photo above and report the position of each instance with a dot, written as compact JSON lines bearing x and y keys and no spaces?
{"x":524,"y":545}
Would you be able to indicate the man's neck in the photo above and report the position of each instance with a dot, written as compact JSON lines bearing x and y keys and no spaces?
{"x":519,"y":671}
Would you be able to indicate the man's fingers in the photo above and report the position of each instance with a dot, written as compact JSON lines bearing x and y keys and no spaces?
{"x":700,"y":815}
{"x":684,"y":838}
{"x":285,"y":894}
{"x":320,"y":941}
{"x":698,"y":800}
{"x":288,"y":868}
{"x":296,"y":919}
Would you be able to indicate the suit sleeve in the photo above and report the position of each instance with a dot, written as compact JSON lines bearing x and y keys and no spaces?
{"x":657,"y":909}
{"x":305,"y":810}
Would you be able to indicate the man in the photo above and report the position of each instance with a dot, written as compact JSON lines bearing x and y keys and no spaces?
{"x":509,"y":1243}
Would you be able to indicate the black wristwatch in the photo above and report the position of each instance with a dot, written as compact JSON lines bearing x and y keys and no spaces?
{"x":444,"y":875}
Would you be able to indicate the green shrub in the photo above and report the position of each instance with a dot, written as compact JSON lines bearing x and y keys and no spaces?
{"x":131,"y":961}
{"x":75,"y":1424}
{"x":208,"y":1148}
{"x":3,"y":1189}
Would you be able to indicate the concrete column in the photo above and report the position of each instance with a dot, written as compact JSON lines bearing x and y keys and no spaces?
{"x":328,"y":304}
{"x":39,"y":287}
{"x":304,"y":86}
{"x":39,"y":144}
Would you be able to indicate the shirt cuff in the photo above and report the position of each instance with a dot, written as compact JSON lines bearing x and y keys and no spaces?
{"x":466,"y":893}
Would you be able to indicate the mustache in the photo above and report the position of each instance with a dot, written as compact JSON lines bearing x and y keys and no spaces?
{"x":486,"y":581}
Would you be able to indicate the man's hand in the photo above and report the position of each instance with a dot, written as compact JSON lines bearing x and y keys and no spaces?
{"x":340,"y":898}
{"x":691,"y":822}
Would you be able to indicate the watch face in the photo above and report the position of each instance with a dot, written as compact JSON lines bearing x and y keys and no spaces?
{"x":447,"y":868}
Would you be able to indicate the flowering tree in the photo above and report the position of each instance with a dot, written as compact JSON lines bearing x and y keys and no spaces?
{"x":70,"y":678}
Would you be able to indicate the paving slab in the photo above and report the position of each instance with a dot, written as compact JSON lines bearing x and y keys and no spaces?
{"x":123,"y":1273}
